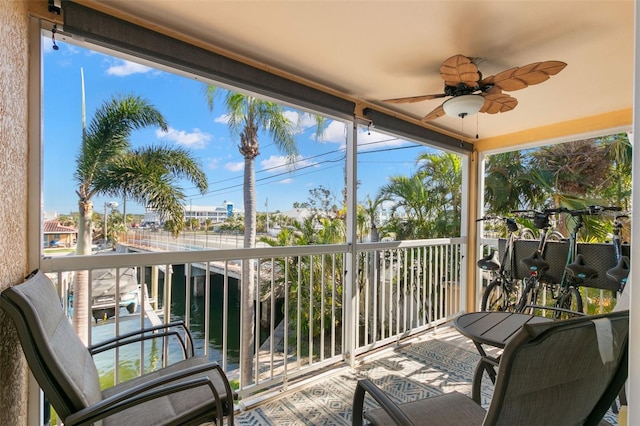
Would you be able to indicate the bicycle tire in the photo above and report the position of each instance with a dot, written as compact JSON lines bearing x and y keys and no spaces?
{"x":527,"y":234}
{"x":571,"y":300}
{"x":494,"y":297}
{"x":555,"y":236}
{"x":528,"y":293}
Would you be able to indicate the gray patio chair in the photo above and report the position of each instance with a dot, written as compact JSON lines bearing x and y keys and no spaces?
{"x":190,"y":391}
{"x":557,"y":373}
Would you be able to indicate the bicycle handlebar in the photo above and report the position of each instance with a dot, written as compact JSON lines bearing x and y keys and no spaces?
{"x":594,"y":210}
{"x":512,"y":226}
{"x":491,"y":217}
{"x":546,"y":212}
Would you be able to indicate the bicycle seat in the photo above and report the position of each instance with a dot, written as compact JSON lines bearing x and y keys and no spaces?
{"x":490,"y":262}
{"x":535,"y":262}
{"x":620,"y":272}
{"x":578,"y":269}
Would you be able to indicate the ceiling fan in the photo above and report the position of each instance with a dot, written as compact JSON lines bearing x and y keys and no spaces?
{"x":471,"y":93}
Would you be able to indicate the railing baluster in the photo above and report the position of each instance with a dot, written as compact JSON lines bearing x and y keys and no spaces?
{"x":207,"y":306}
{"x":311,"y":278}
{"x":225,"y":316}
{"x":333,"y":304}
{"x":285,"y":353}
{"x":322,"y":306}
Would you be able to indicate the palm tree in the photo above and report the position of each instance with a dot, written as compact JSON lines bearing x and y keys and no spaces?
{"x":371,"y":207}
{"x":107,"y":165}
{"x":442,"y":174}
{"x":619,"y":151}
{"x":247,"y":116}
{"x":415,"y":201}
{"x":505,"y":189}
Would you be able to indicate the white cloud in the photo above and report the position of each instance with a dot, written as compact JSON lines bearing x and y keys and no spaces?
{"x":195,"y":139}
{"x":291,"y":115}
{"x":286,"y":181}
{"x":124,"y":68}
{"x":224,"y":119}
{"x":213,"y":163}
{"x":370,"y":139}
{"x":47,"y":45}
{"x":235,"y":167}
{"x":335,"y":133}
{"x":280,"y":164}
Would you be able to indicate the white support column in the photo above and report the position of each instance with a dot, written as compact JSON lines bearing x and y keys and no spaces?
{"x":349,"y":288}
{"x":480,"y":160}
{"x":634,"y":331}
{"x":466,"y":167}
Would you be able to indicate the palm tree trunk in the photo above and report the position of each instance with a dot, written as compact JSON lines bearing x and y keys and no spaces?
{"x":248,"y":275}
{"x":81,"y":282}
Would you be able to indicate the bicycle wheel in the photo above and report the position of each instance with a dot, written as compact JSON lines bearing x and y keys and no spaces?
{"x":555,"y":236}
{"x":527,"y":234}
{"x":571,"y":301}
{"x":529,"y":294}
{"x":495,"y":297}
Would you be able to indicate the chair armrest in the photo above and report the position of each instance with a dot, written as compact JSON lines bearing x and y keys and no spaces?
{"x":103,"y":347}
{"x":485,"y":363}
{"x":391,"y":408}
{"x":153,"y":389}
{"x":135,"y":336}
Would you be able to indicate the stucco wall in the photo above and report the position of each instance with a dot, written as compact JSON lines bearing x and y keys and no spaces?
{"x":13,"y":197}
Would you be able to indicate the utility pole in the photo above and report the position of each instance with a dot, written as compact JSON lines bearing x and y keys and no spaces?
{"x":266,"y":204}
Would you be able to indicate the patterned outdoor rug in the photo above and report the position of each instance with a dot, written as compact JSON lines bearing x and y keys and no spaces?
{"x":436,"y":364}
{"x":416,"y":371}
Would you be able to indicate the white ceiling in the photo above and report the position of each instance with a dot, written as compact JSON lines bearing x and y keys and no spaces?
{"x":375,"y":50}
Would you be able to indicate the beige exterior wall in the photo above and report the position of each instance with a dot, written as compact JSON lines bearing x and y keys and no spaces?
{"x":13,"y":193}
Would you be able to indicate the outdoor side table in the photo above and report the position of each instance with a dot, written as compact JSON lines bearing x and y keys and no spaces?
{"x":493,"y":329}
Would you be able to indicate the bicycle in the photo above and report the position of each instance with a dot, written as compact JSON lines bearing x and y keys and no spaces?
{"x":620,"y":272}
{"x":535,"y":264}
{"x":576,"y":271}
{"x":568,"y":300}
{"x":500,"y":294}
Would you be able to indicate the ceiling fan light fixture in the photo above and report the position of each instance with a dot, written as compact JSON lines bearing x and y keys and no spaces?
{"x":461,"y":106}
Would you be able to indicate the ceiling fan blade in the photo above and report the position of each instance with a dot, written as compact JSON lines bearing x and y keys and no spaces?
{"x":498,"y":102}
{"x":413,"y":99}
{"x":521,"y":77}
{"x":437,"y":112}
{"x":459,"y":69}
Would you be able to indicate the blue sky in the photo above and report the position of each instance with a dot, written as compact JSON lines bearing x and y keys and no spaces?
{"x":181,"y":100}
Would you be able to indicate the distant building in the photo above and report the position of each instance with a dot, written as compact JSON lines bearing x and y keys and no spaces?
{"x":56,"y":235}
{"x":216,"y":214}
{"x":151,"y":217}
{"x":298,"y":214}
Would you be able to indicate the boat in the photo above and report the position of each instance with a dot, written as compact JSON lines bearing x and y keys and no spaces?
{"x":103,"y":292}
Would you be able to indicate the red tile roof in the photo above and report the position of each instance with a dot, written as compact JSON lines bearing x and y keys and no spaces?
{"x":54,"y":227}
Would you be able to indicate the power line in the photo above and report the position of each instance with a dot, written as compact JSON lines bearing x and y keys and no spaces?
{"x":301,"y":159}
{"x":217,"y":191}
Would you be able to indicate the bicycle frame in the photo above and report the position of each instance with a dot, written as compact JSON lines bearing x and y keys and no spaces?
{"x":620,"y":272}
{"x":501,"y":270}
{"x":536,"y":263}
{"x":576,"y":271}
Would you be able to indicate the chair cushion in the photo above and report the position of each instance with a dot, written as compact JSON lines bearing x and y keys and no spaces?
{"x":444,"y":410}
{"x":67,"y":367}
{"x":198,"y":401}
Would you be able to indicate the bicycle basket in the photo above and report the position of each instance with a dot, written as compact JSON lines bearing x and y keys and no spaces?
{"x":540,"y":221}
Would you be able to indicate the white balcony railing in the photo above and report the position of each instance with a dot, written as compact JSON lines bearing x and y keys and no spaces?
{"x":302,"y":315}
